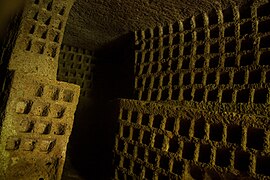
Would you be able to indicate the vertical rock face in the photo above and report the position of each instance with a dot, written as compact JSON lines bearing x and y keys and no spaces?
{"x":157,"y":140}
{"x":220,"y":57}
{"x":209,"y":78}
{"x":39,"y":112}
{"x":38,"y":122}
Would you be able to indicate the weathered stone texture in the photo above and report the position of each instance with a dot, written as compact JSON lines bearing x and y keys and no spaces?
{"x":156,"y":140}
{"x":209,"y":78}
{"x":94,"y":23}
{"x":37,"y":112}
{"x":216,"y":58}
{"x":40,"y":36}
{"x":36,"y":128}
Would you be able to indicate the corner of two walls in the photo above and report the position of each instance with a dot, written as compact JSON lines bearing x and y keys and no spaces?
{"x":103,"y":75}
{"x":202,"y":90}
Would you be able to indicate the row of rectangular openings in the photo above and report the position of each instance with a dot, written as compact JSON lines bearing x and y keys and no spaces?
{"x":201,"y":36}
{"x":137,"y":169}
{"x":42,"y":48}
{"x":83,"y":68}
{"x":238,"y":78}
{"x":260,"y":96}
{"x":255,"y":136}
{"x":67,"y":49}
{"x":46,"y":20}
{"x":222,"y":78}
{"x":200,"y":21}
{"x":246,"y":59}
{"x":242,"y":96}
{"x":230,"y":46}
{"x":76,"y":58}
{"x":214,"y":62}
{"x":155,"y":56}
{"x":223,"y":156}
{"x":49,"y":6}
{"x":44,"y":33}
{"x":145,"y":120}
{"x":245,"y":29}
{"x":242,"y":161}
{"x":244,"y":12}
{"x":255,"y":139}
{"x":77,"y":75}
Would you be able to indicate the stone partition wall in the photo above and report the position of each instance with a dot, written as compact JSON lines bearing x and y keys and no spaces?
{"x":202,"y":90}
{"x":37,"y":125}
{"x":38,"y":117}
{"x":77,"y":66}
{"x":221,"y":57}
{"x":160,"y":141}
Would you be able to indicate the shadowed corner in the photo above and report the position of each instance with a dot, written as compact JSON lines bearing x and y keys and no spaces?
{"x":8,"y":8}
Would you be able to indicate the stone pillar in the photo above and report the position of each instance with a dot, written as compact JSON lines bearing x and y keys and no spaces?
{"x":39,"y":113}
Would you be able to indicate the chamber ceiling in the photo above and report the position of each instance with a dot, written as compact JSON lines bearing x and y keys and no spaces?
{"x":95,"y":23}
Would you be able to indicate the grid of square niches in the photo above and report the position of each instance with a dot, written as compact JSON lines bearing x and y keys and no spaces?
{"x":40,"y":120}
{"x":44,"y":26}
{"x":49,"y":102}
{"x":151,"y":145}
{"x":242,"y":86}
{"x":211,"y":30}
{"x":77,"y":66}
{"x":233,"y":61}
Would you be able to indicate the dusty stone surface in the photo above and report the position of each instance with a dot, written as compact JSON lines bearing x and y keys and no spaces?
{"x":156,"y":140}
{"x":92,"y":24}
{"x":37,"y":112}
{"x":207,"y":61}
{"x":36,"y":127}
{"x":208,"y":76}
{"x":40,"y":36}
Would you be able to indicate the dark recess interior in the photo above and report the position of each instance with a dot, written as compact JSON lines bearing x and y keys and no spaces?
{"x":92,"y":139}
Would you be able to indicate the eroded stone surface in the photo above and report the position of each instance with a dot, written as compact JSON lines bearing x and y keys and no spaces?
{"x":208,"y":78}
{"x":94,"y":23}
{"x":36,"y":127}
{"x":156,"y":140}
{"x":219,"y":58}
{"x":40,"y":36}
{"x":37,"y":112}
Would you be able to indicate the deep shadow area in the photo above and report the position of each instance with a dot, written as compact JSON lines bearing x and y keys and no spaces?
{"x":7,"y":43}
{"x":92,"y":139}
